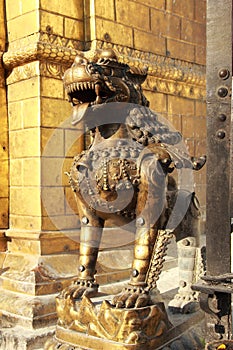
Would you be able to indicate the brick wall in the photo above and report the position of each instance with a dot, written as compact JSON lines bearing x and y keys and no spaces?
{"x":167,"y":27}
{"x":37,"y":109}
{"x":169,"y":31}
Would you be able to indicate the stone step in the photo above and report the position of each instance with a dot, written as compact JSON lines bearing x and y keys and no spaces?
{"x":114,"y":265}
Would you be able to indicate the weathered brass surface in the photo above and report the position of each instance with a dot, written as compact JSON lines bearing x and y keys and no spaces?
{"x":93,"y":83}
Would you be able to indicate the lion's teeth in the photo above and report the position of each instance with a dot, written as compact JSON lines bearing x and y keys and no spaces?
{"x":80,"y":86}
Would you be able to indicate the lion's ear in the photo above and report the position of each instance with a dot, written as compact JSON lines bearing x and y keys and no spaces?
{"x":137,"y":75}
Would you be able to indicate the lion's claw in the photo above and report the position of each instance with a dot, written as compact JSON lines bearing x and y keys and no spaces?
{"x":80,"y":288}
{"x":131,"y":301}
{"x":132,"y":298}
{"x":142,"y":300}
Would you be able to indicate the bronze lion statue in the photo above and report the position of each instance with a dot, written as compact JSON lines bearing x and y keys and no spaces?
{"x":124,"y":179}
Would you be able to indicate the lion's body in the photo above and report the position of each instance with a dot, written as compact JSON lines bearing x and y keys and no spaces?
{"x":123,"y":178}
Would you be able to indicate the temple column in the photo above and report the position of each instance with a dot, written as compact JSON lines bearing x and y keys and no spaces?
{"x":4,"y":149}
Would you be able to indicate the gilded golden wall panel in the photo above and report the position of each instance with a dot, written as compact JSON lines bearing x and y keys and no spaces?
{"x":25,"y":222}
{"x":174,"y":88}
{"x":52,"y":23}
{"x":17,"y":29}
{"x":54,"y":112}
{"x":159,"y":4}
{"x":52,"y":87}
{"x":142,"y":21}
{"x":105,"y":9}
{"x":4,"y":181}
{"x":73,"y":9}
{"x":17,"y":8}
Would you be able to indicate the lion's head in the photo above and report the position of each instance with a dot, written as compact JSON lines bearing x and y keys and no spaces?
{"x":102,"y":79}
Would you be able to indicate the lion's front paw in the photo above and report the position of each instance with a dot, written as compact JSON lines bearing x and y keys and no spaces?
{"x":186,"y":301}
{"x":79,"y":288}
{"x":132,"y":297}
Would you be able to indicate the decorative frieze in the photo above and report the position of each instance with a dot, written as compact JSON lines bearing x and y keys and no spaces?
{"x":174,"y":87}
{"x":23,"y":72}
{"x":165,"y":74}
{"x":41,"y":46}
{"x":36,"y":68}
{"x":53,"y":70}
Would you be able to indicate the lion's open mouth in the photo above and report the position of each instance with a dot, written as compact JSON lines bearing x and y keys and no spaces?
{"x":84,"y":94}
{"x":81,"y":92}
{"x":92,"y":92}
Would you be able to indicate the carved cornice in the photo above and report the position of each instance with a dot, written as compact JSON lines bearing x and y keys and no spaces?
{"x":165,"y":74}
{"x":36,"y":68}
{"x":174,"y":87}
{"x":41,"y":46}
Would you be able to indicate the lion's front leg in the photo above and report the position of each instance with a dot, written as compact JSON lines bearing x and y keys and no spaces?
{"x":136,"y":294}
{"x":90,"y":237}
{"x":150,"y":208}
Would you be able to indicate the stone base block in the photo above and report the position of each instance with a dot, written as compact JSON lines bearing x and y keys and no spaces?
{"x":19,"y":338}
{"x":31,"y":312}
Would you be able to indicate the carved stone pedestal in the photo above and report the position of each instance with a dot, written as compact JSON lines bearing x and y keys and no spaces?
{"x":34,"y":270}
{"x":24,"y":339}
{"x":97,"y":324}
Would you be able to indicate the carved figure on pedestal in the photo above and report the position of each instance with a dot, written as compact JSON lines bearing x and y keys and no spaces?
{"x":123,"y":180}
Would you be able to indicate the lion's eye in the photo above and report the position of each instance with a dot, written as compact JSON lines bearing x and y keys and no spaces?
{"x":107,"y":71}
{"x":91,"y":69}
